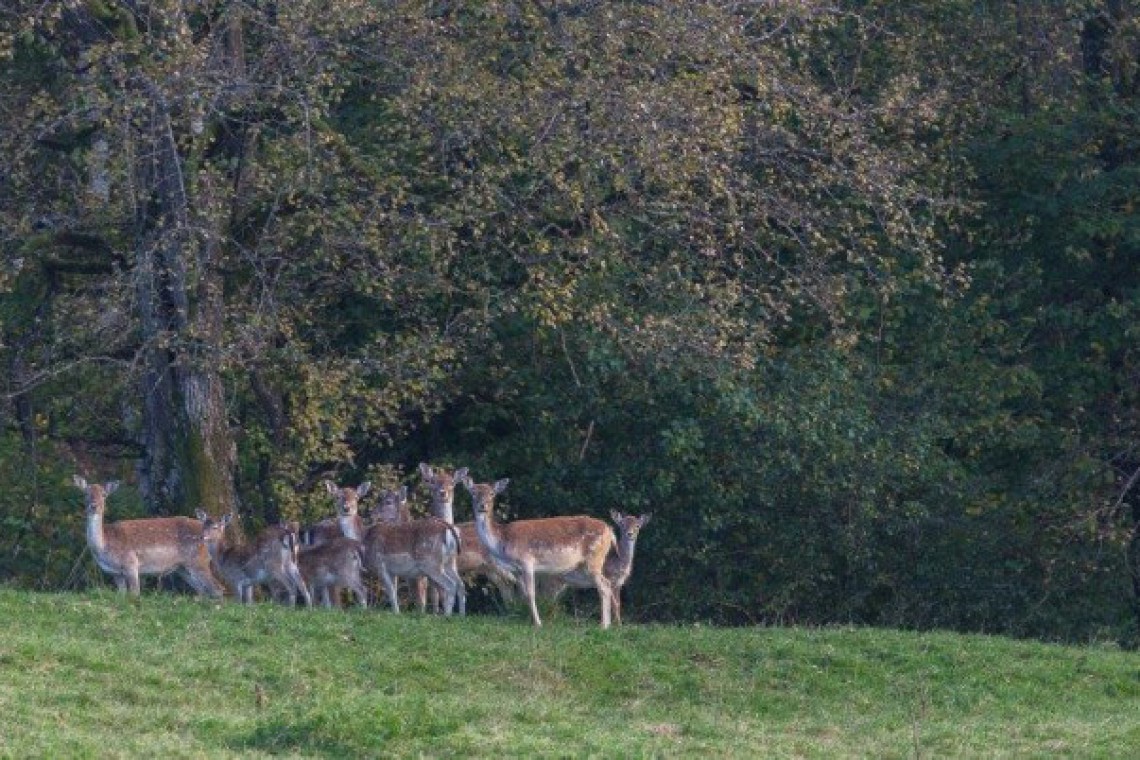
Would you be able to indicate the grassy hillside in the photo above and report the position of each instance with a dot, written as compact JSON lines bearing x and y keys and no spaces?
{"x":98,"y":675}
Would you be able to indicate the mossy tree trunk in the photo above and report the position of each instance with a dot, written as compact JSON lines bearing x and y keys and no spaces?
{"x":189,"y":447}
{"x":190,"y":451}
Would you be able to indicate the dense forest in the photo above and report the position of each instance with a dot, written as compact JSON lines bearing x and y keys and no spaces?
{"x":847,"y":294}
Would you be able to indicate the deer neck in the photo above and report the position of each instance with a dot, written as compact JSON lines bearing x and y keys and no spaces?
{"x":218,"y":551}
{"x":95,"y":536}
{"x":351,"y":527}
{"x":489,"y":532}
{"x":621,"y":566}
{"x":625,"y":549}
{"x":443,"y":509}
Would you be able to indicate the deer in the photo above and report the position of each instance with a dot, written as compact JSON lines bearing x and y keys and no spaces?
{"x":348,"y":522}
{"x":419,"y":548}
{"x":128,"y":549}
{"x":335,"y":564}
{"x":473,"y":559}
{"x":270,"y":559}
{"x":619,"y":562}
{"x":319,"y":532}
{"x":393,"y":508}
{"x":574,"y":546}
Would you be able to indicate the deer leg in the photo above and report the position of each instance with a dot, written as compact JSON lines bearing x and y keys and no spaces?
{"x":188,"y":575}
{"x":133,"y":580}
{"x":120,"y":582}
{"x":390,"y":588}
{"x":290,"y":590}
{"x":460,"y":589}
{"x":527,"y":581}
{"x":420,"y":587}
{"x":615,"y":603}
{"x":356,"y":584}
{"x":455,"y":582}
{"x":361,"y":594}
{"x":442,"y":582}
{"x":504,"y":585}
{"x":299,"y":586}
{"x":202,"y":578}
{"x":196,"y":582}
{"x":605,"y":596}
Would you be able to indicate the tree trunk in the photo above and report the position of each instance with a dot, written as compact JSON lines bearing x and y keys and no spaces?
{"x":189,"y":460}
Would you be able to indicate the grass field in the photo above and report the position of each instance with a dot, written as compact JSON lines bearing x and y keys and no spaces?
{"x":97,"y":675}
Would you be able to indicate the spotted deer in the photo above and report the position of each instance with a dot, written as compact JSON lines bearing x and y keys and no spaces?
{"x":473,"y":560}
{"x":335,"y":564}
{"x":618,"y":566}
{"x":270,"y":559}
{"x":319,"y":532}
{"x":562,"y":546}
{"x":419,"y":548}
{"x":128,"y":549}
{"x":393,"y":508}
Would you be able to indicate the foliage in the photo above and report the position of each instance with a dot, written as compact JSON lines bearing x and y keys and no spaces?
{"x":843,"y":293}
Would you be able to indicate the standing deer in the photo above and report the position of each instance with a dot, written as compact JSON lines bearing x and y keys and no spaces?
{"x":393,"y":508}
{"x":335,"y":564}
{"x":330,"y":529}
{"x":270,"y":559}
{"x":128,"y":549}
{"x":574,"y":546}
{"x":420,"y":548}
{"x":473,"y":559}
{"x":619,"y":562}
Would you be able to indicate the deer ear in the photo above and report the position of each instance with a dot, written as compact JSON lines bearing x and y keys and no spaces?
{"x":110,"y":487}
{"x":426,"y":471}
{"x":364,"y":488}
{"x":227,"y":518}
{"x":645,"y":519}
{"x":461,"y":474}
{"x":501,"y":485}
{"x":80,"y":482}
{"x":201,"y":515}
{"x":331,"y":487}
{"x":615,"y":515}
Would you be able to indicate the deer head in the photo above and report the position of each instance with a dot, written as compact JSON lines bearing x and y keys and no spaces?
{"x":95,"y":494}
{"x":441,"y":486}
{"x":393,"y":505}
{"x":213,"y":531}
{"x":630,"y":525}
{"x":348,"y":498}
{"x":483,"y":494}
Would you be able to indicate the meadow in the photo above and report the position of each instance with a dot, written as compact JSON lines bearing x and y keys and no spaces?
{"x":99,"y":675}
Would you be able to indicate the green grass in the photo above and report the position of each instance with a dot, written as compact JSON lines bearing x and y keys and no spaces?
{"x":97,"y":675}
